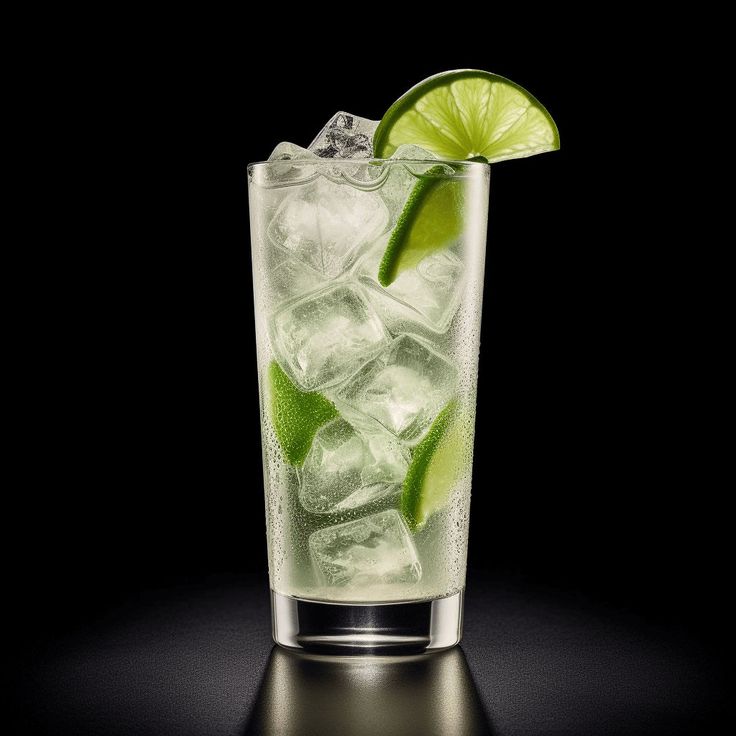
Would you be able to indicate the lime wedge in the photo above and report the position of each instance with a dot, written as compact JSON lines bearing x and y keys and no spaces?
{"x":431,"y":219}
{"x":437,"y":464}
{"x":465,"y":114}
{"x":296,"y":414}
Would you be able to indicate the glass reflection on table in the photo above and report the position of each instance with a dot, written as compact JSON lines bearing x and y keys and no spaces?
{"x":316,"y":694}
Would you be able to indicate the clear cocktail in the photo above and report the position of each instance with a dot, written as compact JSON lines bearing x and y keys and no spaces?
{"x":368,"y":277}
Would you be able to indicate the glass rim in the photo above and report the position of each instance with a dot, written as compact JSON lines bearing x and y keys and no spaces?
{"x":354,"y":161}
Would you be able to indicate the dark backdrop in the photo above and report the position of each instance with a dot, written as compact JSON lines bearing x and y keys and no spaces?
{"x":589,"y":470}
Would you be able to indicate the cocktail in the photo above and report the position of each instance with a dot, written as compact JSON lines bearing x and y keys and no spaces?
{"x":368,"y":257}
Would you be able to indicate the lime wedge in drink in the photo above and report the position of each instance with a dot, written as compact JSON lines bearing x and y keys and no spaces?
{"x":466,"y":114}
{"x":430,"y":220}
{"x":437,"y":464}
{"x":458,"y":115}
{"x":296,"y":414}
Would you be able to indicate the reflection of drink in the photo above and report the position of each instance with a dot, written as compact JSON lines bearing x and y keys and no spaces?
{"x":383,"y":377}
{"x":368,"y":277}
{"x":365,"y":696}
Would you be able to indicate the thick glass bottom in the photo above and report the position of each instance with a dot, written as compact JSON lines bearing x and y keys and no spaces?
{"x":379,"y":628}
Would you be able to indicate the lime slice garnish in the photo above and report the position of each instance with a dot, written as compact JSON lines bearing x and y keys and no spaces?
{"x":296,"y":414}
{"x":431,"y":219}
{"x":437,"y":464}
{"x":468,"y":113}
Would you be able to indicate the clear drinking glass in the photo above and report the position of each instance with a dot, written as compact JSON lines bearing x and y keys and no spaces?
{"x":353,"y":377}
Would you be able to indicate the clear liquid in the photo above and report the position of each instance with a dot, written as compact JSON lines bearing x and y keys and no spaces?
{"x":315,"y":227}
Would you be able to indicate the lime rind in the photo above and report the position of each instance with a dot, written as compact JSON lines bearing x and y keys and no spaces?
{"x":296,"y":415}
{"x":468,"y":113}
{"x":436,"y":465}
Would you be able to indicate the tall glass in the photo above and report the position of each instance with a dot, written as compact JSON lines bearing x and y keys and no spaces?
{"x":367,"y":394}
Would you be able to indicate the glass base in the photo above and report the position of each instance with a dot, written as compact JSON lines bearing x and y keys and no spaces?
{"x":354,"y":628}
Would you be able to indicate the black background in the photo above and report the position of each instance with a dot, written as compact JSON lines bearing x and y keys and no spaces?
{"x":592,"y":470}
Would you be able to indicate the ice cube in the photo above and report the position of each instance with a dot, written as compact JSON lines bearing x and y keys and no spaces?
{"x":289,"y":279}
{"x":324,"y":224}
{"x":404,"y":388}
{"x":327,"y":336}
{"x":428,"y":294}
{"x":286,"y":151}
{"x":411,"y":152}
{"x":350,"y":465}
{"x":374,"y":550}
{"x":345,"y":136}
{"x":287,"y":163}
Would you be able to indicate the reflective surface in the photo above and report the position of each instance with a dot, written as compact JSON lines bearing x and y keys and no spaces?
{"x":351,"y":696}
{"x":197,"y":659}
